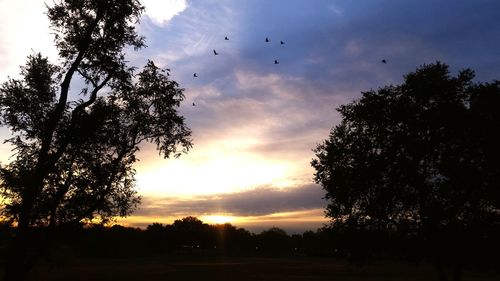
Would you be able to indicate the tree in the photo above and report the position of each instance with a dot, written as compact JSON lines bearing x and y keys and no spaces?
{"x":73,"y":157}
{"x":191,"y":232}
{"x":274,"y":240}
{"x":420,"y":157}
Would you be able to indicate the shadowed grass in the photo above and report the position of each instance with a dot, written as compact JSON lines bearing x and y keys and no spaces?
{"x":220,"y":269}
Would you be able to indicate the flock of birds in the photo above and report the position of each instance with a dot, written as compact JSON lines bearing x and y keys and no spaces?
{"x":195,"y":75}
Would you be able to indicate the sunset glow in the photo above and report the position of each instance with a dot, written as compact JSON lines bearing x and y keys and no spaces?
{"x":218,"y":219}
{"x":255,"y":122}
{"x":211,"y":170}
{"x":297,"y":220}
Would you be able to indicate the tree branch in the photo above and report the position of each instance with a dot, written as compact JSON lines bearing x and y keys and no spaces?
{"x":80,"y":108}
{"x":87,"y":77}
{"x":102,"y":195}
{"x":60,"y":194}
{"x":58,"y":111}
{"x":93,"y":95}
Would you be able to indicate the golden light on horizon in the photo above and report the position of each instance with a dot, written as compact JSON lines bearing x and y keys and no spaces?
{"x":314,"y":215}
{"x":217,"y":219}
{"x":310,"y":219}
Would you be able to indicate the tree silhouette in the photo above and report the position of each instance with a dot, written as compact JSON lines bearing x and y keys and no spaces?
{"x":73,"y":157}
{"x":420,"y":157}
{"x":274,"y":240}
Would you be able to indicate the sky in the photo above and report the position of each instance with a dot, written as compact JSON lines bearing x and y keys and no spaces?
{"x":255,"y":122}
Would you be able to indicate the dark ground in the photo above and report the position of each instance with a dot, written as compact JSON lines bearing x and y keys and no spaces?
{"x":242,"y":269}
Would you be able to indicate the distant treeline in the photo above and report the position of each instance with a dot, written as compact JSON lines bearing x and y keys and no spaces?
{"x":190,"y":236}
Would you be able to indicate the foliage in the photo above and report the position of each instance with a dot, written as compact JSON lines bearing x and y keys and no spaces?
{"x":74,"y":151}
{"x":420,"y":157}
{"x":74,"y":158}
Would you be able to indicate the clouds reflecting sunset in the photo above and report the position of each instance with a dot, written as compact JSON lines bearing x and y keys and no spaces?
{"x":254,"y":122}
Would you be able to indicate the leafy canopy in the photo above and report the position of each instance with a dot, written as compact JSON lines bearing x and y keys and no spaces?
{"x":74,"y":156}
{"x":420,"y":156}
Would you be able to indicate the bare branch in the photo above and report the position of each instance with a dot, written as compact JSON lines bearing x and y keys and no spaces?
{"x":87,"y":77}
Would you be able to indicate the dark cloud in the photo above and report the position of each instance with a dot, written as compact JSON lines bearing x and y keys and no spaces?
{"x":255,"y":202}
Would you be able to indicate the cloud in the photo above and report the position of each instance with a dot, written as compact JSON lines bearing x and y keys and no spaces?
{"x":255,"y":202}
{"x":251,"y":129}
{"x":162,"y":11}
{"x":285,"y":113}
{"x":24,"y":29}
{"x":292,"y":222}
{"x":253,"y":116}
{"x":188,"y":39}
{"x":293,"y":209}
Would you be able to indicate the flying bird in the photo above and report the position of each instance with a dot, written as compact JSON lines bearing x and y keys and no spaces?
{"x":282,"y":43}
{"x":276,"y":62}
{"x":225,"y":38}
{"x":267,"y":39}
{"x":194,"y":104}
{"x":384,"y":61}
{"x":215,"y":53}
{"x":195,"y":75}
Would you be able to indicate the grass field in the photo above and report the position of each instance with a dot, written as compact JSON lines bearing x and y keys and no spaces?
{"x":242,"y":269}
